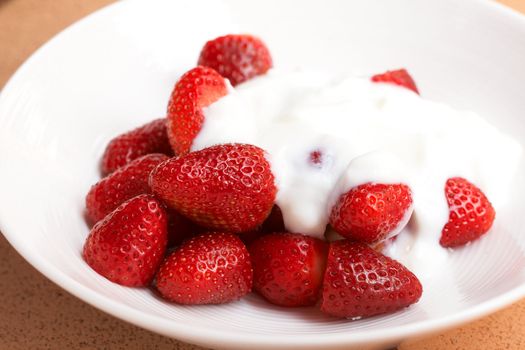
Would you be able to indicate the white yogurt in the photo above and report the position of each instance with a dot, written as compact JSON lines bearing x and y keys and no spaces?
{"x":366,"y":132}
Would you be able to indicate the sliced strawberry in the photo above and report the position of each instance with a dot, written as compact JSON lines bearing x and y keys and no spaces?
{"x":238,"y":57}
{"x":214,"y":268}
{"x":128,"y":245}
{"x":149,"y":138}
{"x":361,"y":282}
{"x":227,"y":187}
{"x":288,"y":268}
{"x":197,"y":88}
{"x":471,"y":214}
{"x":399,"y":77}
{"x":125,"y":183}
{"x":372,"y":212}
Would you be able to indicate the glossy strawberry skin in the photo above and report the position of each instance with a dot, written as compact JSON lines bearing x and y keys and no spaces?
{"x":399,"y":77}
{"x":213,"y":268}
{"x":361,"y":282}
{"x":237,"y":57}
{"x":227,"y":187}
{"x":471,"y":214}
{"x":149,"y":138}
{"x":128,"y":245}
{"x":371,"y":212}
{"x":196,"y":89}
{"x":125,"y":183}
{"x":288,"y":268}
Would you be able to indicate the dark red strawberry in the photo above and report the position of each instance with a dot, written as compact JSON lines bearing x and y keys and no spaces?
{"x":361,"y":282}
{"x":371,"y":212}
{"x":399,"y":77}
{"x":149,"y":138}
{"x":471,"y":214}
{"x":214,"y":268}
{"x":274,"y":222}
{"x":181,"y":228}
{"x":125,"y":183}
{"x":288,"y":268}
{"x":128,"y":245}
{"x":238,"y":57}
{"x":226,"y":187}
{"x":197,"y":88}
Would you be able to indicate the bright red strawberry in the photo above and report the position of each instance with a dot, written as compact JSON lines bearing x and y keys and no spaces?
{"x":128,"y":245}
{"x":226,"y":187}
{"x":288,"y":268}
{"x":149,"y":138}
{"x":238,"y":57}
{"x":361,"y":282}
{"x":399,"y":77}
{"x":125,"y":183}
{"x":371,"y":212}
{"x":471,"y":214}
{"x":196,"y":89}
{"x":214,"y":268}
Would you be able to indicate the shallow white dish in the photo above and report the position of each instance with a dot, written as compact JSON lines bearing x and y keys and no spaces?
{"x":115,"y":70}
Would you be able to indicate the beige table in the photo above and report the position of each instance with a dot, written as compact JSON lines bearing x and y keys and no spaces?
{"x":36,"y":314}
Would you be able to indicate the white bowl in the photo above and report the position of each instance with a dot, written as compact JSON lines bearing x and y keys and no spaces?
{"x":115,"y":70}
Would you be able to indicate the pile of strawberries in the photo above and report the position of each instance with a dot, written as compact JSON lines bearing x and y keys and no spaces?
{"x":202,"y":227}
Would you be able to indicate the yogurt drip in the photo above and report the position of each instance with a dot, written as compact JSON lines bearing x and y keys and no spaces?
{"x":325,"y":134}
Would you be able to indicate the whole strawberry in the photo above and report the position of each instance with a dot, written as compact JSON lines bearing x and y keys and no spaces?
{"x":288,"y":268}
{"x":398,"y":77}
{"x":226,"y":187}
{"x":361,"y":282}
{"x":238,"y":57}
{"x":471,"y":214}
{"x":196,"y":89}
{"x":372,"y":212}
{"x":128,"y":245}
{"x":125,"y":183}
{"x":149,"y":138}
{"x":214,"y":268}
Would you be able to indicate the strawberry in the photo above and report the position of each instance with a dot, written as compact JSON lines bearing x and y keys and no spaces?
{"x":196,"y":89}
{"x":149,"y":138}
{"x":128,"y":245}
{"x":372,"y":212}
{"x":361,"y":282}
{"x":226,"y":187}
{"x":181,"y":228}
{"x":237,"y":57}
{"x":471,"y":214}
{"x":399,"y":77}
{"x":288,"y":268}
{"x":214,"y":268}
{"x":125,"y":183}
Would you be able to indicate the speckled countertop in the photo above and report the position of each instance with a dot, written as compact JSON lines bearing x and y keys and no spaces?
{"x":36,"y":314}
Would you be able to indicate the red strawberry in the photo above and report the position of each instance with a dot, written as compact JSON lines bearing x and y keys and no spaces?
{"x":226,"y":187}
{"x":471,"y":214}
{"x":149,"y":138}
{"x":181,"y":228}
{"x":214,"y":268}
{"x":399,"y":77}
{"x":128,"y":245}
{"x":361,"y":282}
{"x":288,"y":268}
{"x":371,"y":212}
{"x":197,"y":88}
{"x":125,"y":183}
{"x":238,"y":57}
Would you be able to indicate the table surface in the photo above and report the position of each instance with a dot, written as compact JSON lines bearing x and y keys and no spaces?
{"x":36,"y":314}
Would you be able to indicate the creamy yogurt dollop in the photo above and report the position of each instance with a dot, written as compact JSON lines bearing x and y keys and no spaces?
{"x":328,"y":133}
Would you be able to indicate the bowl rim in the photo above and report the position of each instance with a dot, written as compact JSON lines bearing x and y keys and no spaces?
{"x":214,"y":337}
